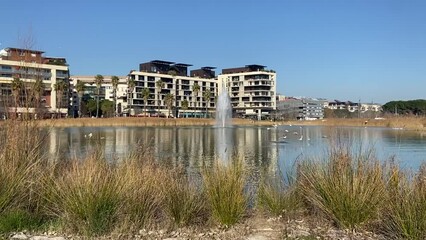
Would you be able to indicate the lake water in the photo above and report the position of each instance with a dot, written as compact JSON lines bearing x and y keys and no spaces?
{"x":268,"y":147}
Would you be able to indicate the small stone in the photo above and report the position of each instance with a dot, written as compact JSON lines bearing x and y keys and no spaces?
{"x":19,"y":236}
{"x":39,"y":238}
{"x":150,"y":232}
{"x":57,"y":238}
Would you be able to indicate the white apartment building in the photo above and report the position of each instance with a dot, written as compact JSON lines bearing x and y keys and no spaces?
{"x":175,"y":79}
{"x":106,"y":91}
{"x":27,"y":66}
{"x":252,"y":90}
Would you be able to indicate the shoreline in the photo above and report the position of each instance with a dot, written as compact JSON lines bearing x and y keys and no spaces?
{"x":403,"y":123}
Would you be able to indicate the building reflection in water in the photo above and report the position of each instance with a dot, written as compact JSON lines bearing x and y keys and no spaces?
{"x":266,"y":148}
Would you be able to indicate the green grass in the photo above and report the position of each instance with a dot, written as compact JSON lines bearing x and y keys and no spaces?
{"x":224,"y":187}
{"x":347,"y":188}
{"x":17,"y":220}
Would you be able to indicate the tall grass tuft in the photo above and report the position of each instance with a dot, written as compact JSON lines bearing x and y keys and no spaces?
{"x":184,"y":201}
{"x":85,"y":196}
{"x":347,"y":187}
{"x":21,"y":160}
{"x":141,"y":187}
{"x":404,"y":216}
{"x":224,"y":187}
{"x":278,"y":196}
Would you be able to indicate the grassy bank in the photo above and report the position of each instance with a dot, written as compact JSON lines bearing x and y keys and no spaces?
{"x":407,"y":123}
{"x":93,"y":197}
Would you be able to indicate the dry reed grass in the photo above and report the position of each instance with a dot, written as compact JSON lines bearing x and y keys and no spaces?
{"x":347,"y":187}
{"x":407,"y":123}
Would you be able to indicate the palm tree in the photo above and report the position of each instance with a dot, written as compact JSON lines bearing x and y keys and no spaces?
{"x":160,"y":85}
{"x":145,"y":96}
{"x":195,"y":89}
{"x":131,"y":86}
{"x":60,"y":87}
{"x":37,"y":91}
{"x":99,"y":79}
{"x":17,"y":86}
{"x":169,"y":99}
{"x":206,"y":95}
{"x":114,"y":82}
{"x":185,"y":105}
{"x":80,"y":91}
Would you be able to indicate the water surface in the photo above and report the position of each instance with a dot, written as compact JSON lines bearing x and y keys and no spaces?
{"x":267,"y":147}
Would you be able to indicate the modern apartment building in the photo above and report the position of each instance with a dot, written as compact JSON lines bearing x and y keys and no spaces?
{"x":194,"y":95}
{"x":300,"y":108}
{"x":252,"y":90}
{"x":106,"y":92}
{"x":20,"y":92}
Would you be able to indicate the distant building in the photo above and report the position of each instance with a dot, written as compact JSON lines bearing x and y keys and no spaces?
{"x":352,"y":106}
{"x":106,"y":91}
{"x":29,"y":66}
{"x":300,"y":108}
{"x":339,"y":105}
{"x":189,"y":101}
{"x":252,"y":90}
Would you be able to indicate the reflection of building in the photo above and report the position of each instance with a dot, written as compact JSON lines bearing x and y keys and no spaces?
{"x":28,"y":66}
{"x":106,"y":91}
{"x":252,"y":90}
{"x":300,"y":108}
{"x":174,"y":79}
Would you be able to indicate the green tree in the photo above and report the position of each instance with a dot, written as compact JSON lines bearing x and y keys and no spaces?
{"x":169,"y":100}
{"x":416,"y":107}
{"x":37,"y":91}
{"x":196,"y":90}
{"x":185,"y":105}
{"x":160,"y":85}
{"x":17,"y":86}
{"x":131,"y":87}
{"x":207,"y":95}
{"x":107,"y":108}
{"x":114,"y":81}
{"x":79,"y":87}
{"x":91,"y":106}
{"x":145,"y":96}
{"x":99,"y":79}
{"x":60,"y":88}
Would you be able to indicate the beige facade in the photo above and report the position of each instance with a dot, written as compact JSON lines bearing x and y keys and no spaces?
{"x":182,"y":88}
{"x":106,"y":90}
{"x":29,"y":65}
{"x":252,"y":90}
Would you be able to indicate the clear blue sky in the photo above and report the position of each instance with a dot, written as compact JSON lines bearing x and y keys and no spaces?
{"x":368,"y":50}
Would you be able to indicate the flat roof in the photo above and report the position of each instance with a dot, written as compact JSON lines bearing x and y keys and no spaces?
{"x":208,"y":68}
{"x":23,"y":49}
{"x":161,"y":62}
{"x":255,"y":66}
{"x":182,"y":65}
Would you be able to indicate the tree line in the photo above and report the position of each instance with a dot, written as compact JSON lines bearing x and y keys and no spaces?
{"x":414,"y":107}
